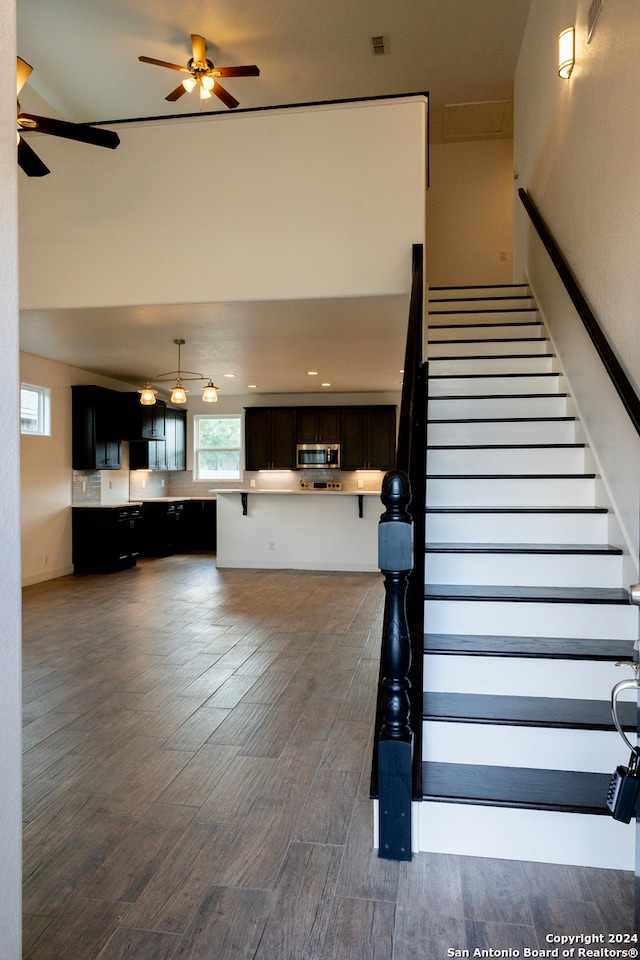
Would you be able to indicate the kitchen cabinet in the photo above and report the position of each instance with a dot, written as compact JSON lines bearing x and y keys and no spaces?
{"x":318,"y":425}
{"x":95,"y":428}
{"x":168,"y":454}
{"x":270,"y":438}
{"x":147,"y":455}
{"x":105,"y":538}
{"x":140,"y":422}
{"x":162,"y":527}
{"x":200,"y":525}
{"x":368,"y":439}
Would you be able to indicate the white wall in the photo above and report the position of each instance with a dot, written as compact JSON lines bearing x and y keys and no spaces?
{"x":10,"y":721}
{"x":577,"y":144}
{"x":300,"y":203}
{"x":45,"y":481}
{"x":470,"y":213}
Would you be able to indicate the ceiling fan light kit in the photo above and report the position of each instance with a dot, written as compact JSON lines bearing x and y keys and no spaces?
{"x":178,"y":391}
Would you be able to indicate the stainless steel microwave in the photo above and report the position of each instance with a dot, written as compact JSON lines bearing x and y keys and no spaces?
{"x":317,"y":455}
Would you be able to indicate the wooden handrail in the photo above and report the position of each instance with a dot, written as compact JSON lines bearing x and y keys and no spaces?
{"x":610,"y":362}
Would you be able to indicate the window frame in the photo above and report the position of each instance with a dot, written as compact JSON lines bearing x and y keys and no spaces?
{"x":197,"y":418}
{"x":43,"y":418}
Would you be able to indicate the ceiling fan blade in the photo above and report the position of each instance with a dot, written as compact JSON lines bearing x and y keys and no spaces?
{"x":70,"y":131}
{"x":249,"y":71}
{"x":163,"y":63}
{"x":225,"y":96}
{"x":176,"y":94}
{"x":199,"y":49}
{"x":29,"y":161}
{"x":23,"y":72}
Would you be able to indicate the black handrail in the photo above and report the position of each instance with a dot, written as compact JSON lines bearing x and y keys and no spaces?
{"x":396,"y":768}
{"x":611,"y":363}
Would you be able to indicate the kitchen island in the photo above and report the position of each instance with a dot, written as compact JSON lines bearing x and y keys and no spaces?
{"x":298,"y":530}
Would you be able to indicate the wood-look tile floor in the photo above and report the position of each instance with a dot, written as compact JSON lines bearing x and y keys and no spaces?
{"x":197,"y":747}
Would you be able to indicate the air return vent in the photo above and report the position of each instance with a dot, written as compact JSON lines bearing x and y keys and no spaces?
{"x":379,"y":45}
{"x":594,"y":13}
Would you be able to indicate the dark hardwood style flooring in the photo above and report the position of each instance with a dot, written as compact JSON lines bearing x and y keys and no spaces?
{"x":197,"y":751}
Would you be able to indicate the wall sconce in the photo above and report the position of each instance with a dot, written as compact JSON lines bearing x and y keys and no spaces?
{"x":566,"y":52}
{"x":178,"y":391}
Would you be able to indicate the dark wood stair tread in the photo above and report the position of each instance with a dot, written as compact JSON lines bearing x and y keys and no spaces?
{"x":500,"y":396}
{"x":479,"y":310}
{"x":526,"y":594}
{"x":552,"y":510}
{"x":547,"y":648}
{"x":571,"y":549}
{"x":490,"y":376}
{"x":559,"y":790}
{"x":480,"y":420}
{"x":506,"y":446}
{"x":510,"y":476}
{"x":547,"y":712}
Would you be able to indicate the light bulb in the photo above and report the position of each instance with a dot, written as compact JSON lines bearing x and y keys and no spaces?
{"x":204,"y":93}
{"x":147,"y":395}
{"x":178,"y":394}
{"x":210,"y":393}
{"x":207,"y":82}
{"x":189,"y":84}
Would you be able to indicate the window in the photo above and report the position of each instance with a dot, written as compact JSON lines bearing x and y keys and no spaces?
{"x":218,"y":442}
{"x":35,"y":416}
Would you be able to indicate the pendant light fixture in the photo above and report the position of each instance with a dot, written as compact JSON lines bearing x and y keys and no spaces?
{"x":178,"y":391}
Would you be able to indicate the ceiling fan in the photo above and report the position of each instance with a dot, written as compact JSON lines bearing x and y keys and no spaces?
{"x":28,"y":159}
{"x":203,"y":73}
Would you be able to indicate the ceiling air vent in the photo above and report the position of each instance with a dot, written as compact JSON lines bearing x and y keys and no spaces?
{"x":594,"y":13}
{"x":379,"y":45}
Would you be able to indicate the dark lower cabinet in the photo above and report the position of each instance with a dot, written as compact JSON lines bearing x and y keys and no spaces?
{"x":201,"y":525}
{"x":105,"y":538}
{"x":162,"y":528}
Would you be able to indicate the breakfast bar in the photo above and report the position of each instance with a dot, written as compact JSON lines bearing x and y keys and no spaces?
{"x":298,"y":529}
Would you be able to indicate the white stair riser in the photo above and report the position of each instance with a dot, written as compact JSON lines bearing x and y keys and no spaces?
{"x":524,"y":676}
{"x":466,"y":301}
{"x":516,"y":528}
{"x":518,"y":492}
{"x":447,"y":386}
{"x":531,"y":570}
{"x":505,"y":431}
{"x":486,"y":348}
{"x":505,"y":460}
{"x":465,"y":408}
{"x":517,"y":329}
{"x":540,"y":748}
{"x":440,"y":316}
{"x":500,"y":291}
{"x":498,"y":366}
{"x":526,"y":619}
{"x":540,"y":836}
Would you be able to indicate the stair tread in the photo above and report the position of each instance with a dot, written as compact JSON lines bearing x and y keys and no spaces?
{"x":490,"y":376}
{"x":518,"y":340}
{"x":494,"y":356}
{"x":510,"y":476}
{"x":478,"y":310}
{"x":447,"y":591}
{"x":548,"y":648}
{"x":552,"y":510}
{"x":488,"y":323}
{"x":560,"y":790}
{"x":482,"y":420}
{"x":506,"y":446}
{"x":569,"y":549}
{"x":500,"y":396}
{"x":526,"y":711}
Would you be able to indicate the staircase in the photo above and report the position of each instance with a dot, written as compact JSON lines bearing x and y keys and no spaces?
{"x":526,"y":613}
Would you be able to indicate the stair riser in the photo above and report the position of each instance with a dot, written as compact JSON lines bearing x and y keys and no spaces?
{"x":492,"y":386}
{"x":524,"y":676}
{"x":508,"y":331}
{"x":518,"y":492}
{"x":510,"y":432}
{"x":440,"y":316}
{"x":500,"y":291}
{"x":477,"y":407}
{"x":526,"y":619}
{"x":592,"y":751}
{"x":542,"y":570}
{"x":535,"y":835}
{"x":467,"y":301}
{"x":516,"y":528}
{"x":506,"y":461}
{"x":491,"y":366}
{"x":486,"y":348}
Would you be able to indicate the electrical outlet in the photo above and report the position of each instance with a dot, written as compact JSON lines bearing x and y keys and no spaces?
{"x":503,"y":254}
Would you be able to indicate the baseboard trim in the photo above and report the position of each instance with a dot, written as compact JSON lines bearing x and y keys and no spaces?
{"x":30,"y":581}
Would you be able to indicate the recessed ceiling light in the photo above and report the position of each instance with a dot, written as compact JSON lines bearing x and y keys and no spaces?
{"x":326,"y":384}
{"x":252,"y":386}
{"x":229,"y":375}
{"x":312,"y":373}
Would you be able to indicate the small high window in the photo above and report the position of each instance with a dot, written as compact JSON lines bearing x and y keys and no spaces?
{"x":35,"y":410}
{"x":217,"y":447}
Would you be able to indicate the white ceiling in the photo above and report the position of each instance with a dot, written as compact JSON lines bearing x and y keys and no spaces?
{"x":86,"y":69}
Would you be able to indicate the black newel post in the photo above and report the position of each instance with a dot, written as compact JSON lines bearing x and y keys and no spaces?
{"x":395,"y":739}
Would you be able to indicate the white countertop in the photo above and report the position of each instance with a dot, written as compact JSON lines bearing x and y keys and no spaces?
{"x":257,"y":491}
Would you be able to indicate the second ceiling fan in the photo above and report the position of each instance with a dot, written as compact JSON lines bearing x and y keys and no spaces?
{"x":203,"y":73}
